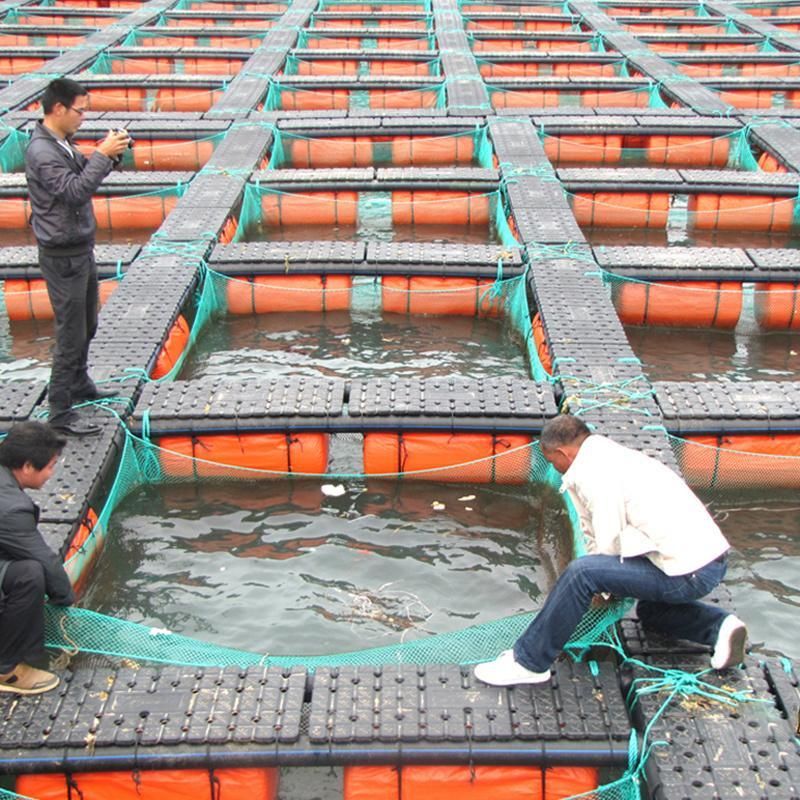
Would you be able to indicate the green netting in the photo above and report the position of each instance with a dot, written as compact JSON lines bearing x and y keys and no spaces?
{"x":282,"y":97}
{"x":362,"y":151}
{"x":306,"y":36}
{"x":359,"y":209}
{"x":294,"y":66}
{"x":142,"y":462}
{"x":334,"y":5}
{"x":12,"y":149}
{"x":567,"y":97}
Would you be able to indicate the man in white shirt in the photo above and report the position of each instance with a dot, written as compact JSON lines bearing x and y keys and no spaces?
{"x":648,"y":537}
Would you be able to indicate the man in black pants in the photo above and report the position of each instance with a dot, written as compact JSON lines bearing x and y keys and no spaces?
{"x":61,"y":181}
{"x":28,"y":567}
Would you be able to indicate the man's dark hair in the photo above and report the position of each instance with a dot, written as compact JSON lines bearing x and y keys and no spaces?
{"x":562,"y":431}
{"x":61,"y":90}
{"x":31,"y":442}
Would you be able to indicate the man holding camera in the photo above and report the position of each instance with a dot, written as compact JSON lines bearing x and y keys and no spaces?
{"x":61,"y":182}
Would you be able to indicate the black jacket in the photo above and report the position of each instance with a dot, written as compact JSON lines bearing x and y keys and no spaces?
{"x":60,"y":189}
{"x":20,"y":538}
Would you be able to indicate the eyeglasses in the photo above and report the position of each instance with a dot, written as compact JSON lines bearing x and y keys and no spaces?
{"x":80,"y":111}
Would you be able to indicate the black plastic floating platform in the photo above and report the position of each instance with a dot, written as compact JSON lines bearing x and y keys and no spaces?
{"x":18,"y":400}
{"x":23,"y":262}
{"x":151,"y":717}
{"x":372,"y":259}
{"x":717,"y":407}
{"x":292,"y":403}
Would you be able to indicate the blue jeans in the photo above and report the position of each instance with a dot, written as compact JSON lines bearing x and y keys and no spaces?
{"x":667,"y":603}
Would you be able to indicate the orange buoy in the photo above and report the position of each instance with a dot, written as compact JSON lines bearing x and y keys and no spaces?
{"x":264,"y":294}
{"x":621,"y":209}
{"x":540,"y":340}
{"x":688,"y":151}
{"x":744,"y":212}
{"x":334,"y":151}
{"x":595,"y":148}
{"x":450,"y":457}
{"x":232,"y":455}
{"x":696,"y":304}
{"x":777,"y":306}
{"x":421,"y":151}
{"x":769,"y":163}
{"x":467,"y":783}
{"x":433,"y":207}
{"x":742,"y":461}
{"x":173,"y":348}
{"x":438,"y":295}
{"x":147,"y":784}
{"x":313,"y":208}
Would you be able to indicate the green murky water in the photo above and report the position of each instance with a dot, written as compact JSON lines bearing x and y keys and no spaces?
{"x":25,"y":349}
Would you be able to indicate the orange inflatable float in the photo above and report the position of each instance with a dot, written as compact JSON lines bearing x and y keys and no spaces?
{"x":449,"y":457}
{"x":742,"y":461}
{"x":173,"y":348}
{"x":777,"y":306}
{"x":440,"y":296}
{"x":264,"y":294}
{"x":232,"y":455}
{"x":697,"y":304}
{"x":174,"y":784}
{"x":465,"y":783}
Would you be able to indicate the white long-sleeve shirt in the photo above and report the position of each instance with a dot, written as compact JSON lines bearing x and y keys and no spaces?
{"x":631,"y":505}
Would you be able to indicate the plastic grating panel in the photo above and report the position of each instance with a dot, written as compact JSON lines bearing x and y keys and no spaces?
{"x":717,"y":750}
{"x":287,"y":257}
{"x":690,"y":263}
{"x":782,"y":675}
{"x":149,"y":706}
{"x":78,"y":474}
{"x":252,"y":404}
{"x":714,"y":407}
{"x":17,"y":401}
{"x":23,"y":262}
{"x":408,"y":704}
{"x":453,"y":398}
{"x":454,"y":257}
{"x":547,"y":225}
{"x":57,"y":536}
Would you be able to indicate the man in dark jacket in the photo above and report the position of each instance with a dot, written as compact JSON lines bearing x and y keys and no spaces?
{"x":28,"y":567}
{"x":61,"y":181}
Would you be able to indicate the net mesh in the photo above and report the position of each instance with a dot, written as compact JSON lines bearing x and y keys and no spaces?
{"x":143,"y":462}
{"x":12,"y":149}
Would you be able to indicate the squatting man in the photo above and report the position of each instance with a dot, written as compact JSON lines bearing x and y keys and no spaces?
{"x":649,"y":537}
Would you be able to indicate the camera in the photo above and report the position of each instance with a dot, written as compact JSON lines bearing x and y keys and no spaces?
{"x":130,"y":138}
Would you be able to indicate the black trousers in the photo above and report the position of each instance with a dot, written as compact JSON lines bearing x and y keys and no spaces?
{"x":72,"y":288}
{"x":22,"y":614}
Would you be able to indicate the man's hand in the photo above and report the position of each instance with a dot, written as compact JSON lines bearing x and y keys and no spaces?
{"x":114,"y":144}
{"x":602,"y":600}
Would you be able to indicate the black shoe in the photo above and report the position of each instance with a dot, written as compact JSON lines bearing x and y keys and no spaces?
{"x":75,"y":427}
{"x":95,"y":394}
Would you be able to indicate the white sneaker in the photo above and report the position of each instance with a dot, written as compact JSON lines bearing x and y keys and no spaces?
{"x":729,"y":647}
{"x":505,"y":670}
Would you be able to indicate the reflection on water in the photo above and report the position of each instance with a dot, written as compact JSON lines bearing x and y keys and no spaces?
{"x":673,"y":354}
{"x":286,"y":568}
{"x":337,"y":345}
{"x":661,"y":237}
{"x":436,"y":234}
{"x":764,"y":568}
{"x":18,"y":237}
{"x":25,"y":349}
